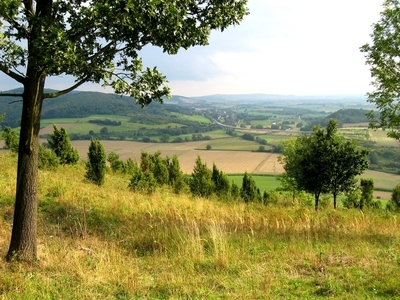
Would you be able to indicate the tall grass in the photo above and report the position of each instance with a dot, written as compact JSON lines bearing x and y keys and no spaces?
{"x":107,"y":242}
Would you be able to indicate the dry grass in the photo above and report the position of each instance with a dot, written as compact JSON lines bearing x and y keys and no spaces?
{"x":107,"y":242}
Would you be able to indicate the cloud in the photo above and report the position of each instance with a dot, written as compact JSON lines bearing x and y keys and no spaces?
{"x":285,"y":47}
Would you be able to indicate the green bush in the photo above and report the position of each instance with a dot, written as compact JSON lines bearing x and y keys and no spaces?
{"x":395,"y":200}
{"x":11,"y":139}
{"x":48,"y":160}
{"x":143,"y":182}
{"x":249,"y":191}
{"x":60,"y":143}
{"x":96,"y":164}
{"x":201,"y":183}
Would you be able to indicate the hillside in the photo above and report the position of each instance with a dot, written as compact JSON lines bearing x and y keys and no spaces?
{"x":83,"y":104}
{"x":110,"y":243}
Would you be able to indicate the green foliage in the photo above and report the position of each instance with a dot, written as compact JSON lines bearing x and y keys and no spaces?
{"x":367,"y":192}
{"x":176,"y":176}
{"x":221,"y":183}
{"x":143,"y":182}
{"x":235,"y":191}
{"x":11,"y":139}
{"x":208,"y":147}
{"x":48,"y":160}
{"x":249,"y":191}
{"x":352,"y":199}
{"x":382,"y":55}
{"x":116,"y":164}
{"x":201,"y":183}
{"x":395,"y":199}
{"x":323,"y":162}
{"x":61,"y":145}
{"x":96,"y":164}
{"x":248,"y":136}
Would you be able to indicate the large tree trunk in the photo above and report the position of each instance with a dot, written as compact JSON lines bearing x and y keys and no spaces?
{"x":23,"y":239}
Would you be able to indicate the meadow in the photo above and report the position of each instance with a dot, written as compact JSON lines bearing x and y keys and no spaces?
{"x":110,"y":243}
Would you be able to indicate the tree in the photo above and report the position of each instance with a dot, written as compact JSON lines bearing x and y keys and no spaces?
{"x":382,"y":55}
{"x":367,"y":192}
{"x":93,"y":41}
{"x":175,"y":175}
{"x":201,"y":183}
{"x":249,"y":191}
{"x":221,"y":182}
{"x":60,"y":143}
{"x":96,"y":163}
{"x":323,"y":162}
{"x":395,"y":200}
{"x":116,"y":164}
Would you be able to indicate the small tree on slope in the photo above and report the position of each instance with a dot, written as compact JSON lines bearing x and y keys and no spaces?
{"x":96,"y":164}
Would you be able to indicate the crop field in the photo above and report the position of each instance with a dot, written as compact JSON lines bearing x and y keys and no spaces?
{"x":264,"y":183}
{"x":233,"y":143}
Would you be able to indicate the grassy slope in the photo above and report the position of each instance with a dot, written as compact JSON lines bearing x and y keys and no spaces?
{"x":97,"y":243}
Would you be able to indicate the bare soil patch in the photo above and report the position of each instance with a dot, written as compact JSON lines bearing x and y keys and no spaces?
{"x":49,"y":129}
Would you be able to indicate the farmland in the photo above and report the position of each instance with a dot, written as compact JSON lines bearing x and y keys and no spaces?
{"x":183,"y":127}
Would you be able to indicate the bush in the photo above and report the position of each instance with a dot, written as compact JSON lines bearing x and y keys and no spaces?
{"x":116,"y":164}
{"x":143,"y":182}
{"x":249,"y":191}
{"x":96,"y":164}
{"x":60,"y":143}
{"x":47,"y":159}
{"x":201,"y":183}
{"x":11,"y":139}
{"x":395,"y":200}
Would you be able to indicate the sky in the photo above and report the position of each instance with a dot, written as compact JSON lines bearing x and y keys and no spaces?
{"x":287,"y":47}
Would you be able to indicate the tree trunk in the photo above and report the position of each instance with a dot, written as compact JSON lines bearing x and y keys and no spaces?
{"x":334,"y":200}
{"x":316,"y":194}
{"x":23,"y":238}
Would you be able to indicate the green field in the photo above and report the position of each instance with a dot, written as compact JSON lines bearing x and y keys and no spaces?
{"x":264,"y":183}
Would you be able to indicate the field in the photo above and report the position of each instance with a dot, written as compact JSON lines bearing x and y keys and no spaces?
{"x":110,"y":243}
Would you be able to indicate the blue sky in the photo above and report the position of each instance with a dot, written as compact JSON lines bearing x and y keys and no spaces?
{"x":308,"y":47}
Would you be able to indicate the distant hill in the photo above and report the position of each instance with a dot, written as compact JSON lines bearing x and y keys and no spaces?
{"x":349,"y":115}
{"x":271,"y":97}
{"x":82,"y":104}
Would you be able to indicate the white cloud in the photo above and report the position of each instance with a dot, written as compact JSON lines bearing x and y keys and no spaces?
{"x":285,"y":47}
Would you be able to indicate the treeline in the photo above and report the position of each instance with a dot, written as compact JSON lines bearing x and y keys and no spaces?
{"x":149,"y":135}
{"x":350,"y":115}
{"x":85,"y":104}
{"x":105,"y":122}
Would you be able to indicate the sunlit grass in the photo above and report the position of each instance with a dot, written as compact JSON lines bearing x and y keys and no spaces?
{"x":107,"y":242}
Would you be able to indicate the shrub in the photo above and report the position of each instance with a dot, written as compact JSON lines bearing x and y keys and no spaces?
{"x":47,"y":158}
{"x":249,"y":191}
{"x":395,"y":200}
{"x":201,"y":183}
{"x":116,"y":164}
{"x":367,"y":190}
{"x":143,"y":182}
{"x":96,"y":164}
{"x":11,"y":139}
{"x":60,"y":143}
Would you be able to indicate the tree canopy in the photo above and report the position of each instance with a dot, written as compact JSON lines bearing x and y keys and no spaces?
{"x":323,"y":162}
{"x":93,"y":41}
{"x":383,"y":55}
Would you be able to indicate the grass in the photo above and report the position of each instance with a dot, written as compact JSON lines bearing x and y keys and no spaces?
{"x":109,"y":243}
{"x":264,"y":183}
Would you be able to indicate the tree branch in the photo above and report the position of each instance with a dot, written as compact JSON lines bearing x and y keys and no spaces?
{"x":12,"y":74}
{"x":66,"y":91}
{"x":9,"y":95}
